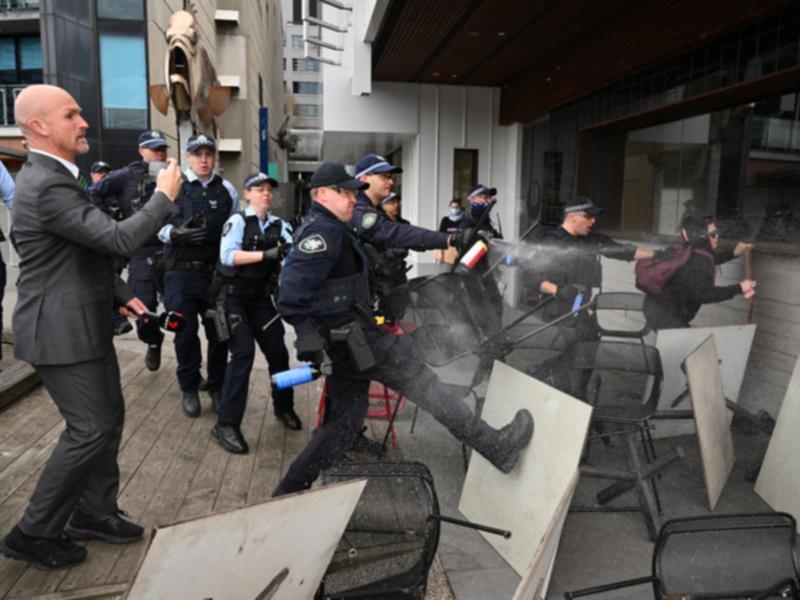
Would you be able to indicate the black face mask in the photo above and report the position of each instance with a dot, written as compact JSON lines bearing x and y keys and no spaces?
{"x":478,"y":210}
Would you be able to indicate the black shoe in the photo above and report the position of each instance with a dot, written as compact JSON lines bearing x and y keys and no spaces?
{"x":50,"y":554}
{"x":364,"y":445}
{"x":123,"y":327}
{"x":152,"y":360}
{"x":289,"y":419}
{"x":214,"y":395}
{"x":108,"y":528}
{"x":191,"y":404}
{"x":504,"y":445}
{"x":230,"y":437}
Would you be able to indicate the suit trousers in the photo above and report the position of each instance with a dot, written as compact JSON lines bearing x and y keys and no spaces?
{"x":82,"y":471}
{"x":400,"y":366}
{"x":255,"y":314}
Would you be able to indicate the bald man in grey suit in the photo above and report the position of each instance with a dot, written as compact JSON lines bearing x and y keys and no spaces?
{"x":67,"y":287}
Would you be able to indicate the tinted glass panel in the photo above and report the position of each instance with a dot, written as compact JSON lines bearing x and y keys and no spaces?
{"x":128,"y":10}
{"x":123,"y":77}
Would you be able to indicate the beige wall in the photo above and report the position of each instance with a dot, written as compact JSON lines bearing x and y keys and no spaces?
{"x":253,"y":47}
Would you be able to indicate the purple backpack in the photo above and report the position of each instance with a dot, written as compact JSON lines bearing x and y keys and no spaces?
{"x":652,"y":274}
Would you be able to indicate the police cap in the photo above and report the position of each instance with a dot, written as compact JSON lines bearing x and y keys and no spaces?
{"x":99,"y":166}
{"x":200,"y":141}
{"x":482,"y":190}
{"x":582,"y":204}
{"x":153,"y":139}
{"x":331,"y":173}
{"x":373,"y":163}
{"x":256,"y":179}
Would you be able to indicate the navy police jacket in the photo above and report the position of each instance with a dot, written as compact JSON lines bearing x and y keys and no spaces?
{"x":375,"y":228}
{"x":568,"y":259}
{"x":325,"y":274}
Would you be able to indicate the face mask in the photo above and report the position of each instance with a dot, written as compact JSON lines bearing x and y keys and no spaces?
{"x":477,"y":210}
{"x":455,"y":214}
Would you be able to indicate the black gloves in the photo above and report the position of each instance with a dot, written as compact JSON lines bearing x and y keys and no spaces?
{"x":310,"y":346}
{"x":462,"y":238}
{"x":188,"y":236}
{"x":277,"y":253}
{"x":566,"y":293}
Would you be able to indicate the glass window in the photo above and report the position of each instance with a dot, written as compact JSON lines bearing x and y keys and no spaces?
{"x":465,"y":173}
{"x":297,"y":41}
{"x":123,"y":76}
{"x":304,"y":64}
{"x":8,"y":59}
{"x":126,"y":10}
{"x":306,"y":87}
{"x":306,"y":110}
{"x":30,"y":53}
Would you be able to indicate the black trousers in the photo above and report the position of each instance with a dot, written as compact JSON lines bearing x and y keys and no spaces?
{"x":187,"y":293}
{"x":255,"y":314}
{"x":398,"y":365}
{"x":142,"y":283}
{"x":82,"y":471}
{"x":660,"y":315}
{"x":3,"y":279}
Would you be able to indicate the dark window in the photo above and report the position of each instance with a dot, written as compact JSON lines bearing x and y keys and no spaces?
{"x":123,"y":10}
{"x":304,"y":64}
{"x":465,"y":172}
{"x":297,"y":41}
{"x":306,"y":87}
{"x":307,"y":110}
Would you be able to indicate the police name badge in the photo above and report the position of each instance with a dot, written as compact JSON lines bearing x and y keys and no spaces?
{"x":369,"y":219}
{"x":313,"y":244}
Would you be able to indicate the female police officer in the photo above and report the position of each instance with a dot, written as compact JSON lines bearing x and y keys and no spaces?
{"x":252,"y":246}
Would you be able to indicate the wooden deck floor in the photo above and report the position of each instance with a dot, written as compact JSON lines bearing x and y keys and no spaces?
{"x":170,"y":468}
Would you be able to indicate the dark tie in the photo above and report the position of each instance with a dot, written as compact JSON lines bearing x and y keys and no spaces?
{"x":83,"y":183}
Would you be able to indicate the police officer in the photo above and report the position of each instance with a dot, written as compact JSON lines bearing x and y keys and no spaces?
{"x":253,"y":244}
{"x":478,"y":203}
{"x":324,"y":294}
{"x":191,"y":252}
{"x":120,"y":194}
{"x":572,"y":258}
{"x":99,"y":170}
{"x":382,"y":234}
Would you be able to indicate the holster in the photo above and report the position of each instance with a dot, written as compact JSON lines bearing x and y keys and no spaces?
{"x":352,"y":337}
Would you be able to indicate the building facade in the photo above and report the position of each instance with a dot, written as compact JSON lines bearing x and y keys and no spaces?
{"x":652,"y":109}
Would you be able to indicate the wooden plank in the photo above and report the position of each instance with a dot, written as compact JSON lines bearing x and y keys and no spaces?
{"x":250,"y":546}
{"x":267,"y":451}
{"x":16,"y":380}
{"x":34,"y":417}
{"x":134,"y":478}
{"x":711,"y":418}
{"x":102,"y":592}
{"x":525,"y":500}
{"x":778,"y":482}
{"x":236,"y":480}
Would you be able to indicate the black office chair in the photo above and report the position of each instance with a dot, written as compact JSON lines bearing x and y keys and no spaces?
{"x":622,"y":381}
{"x":721,"y":556}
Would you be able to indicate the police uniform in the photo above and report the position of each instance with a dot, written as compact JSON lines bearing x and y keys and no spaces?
{"x":248,"y":301}
{"x":324,"y":288}
{"x":386,"y":240}
{"x":188,"y":269}
{"x":120,"y":194}
{"x":476,"y":212}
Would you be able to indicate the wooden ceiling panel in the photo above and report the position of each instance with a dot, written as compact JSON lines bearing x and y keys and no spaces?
{"x":644,"y":34}
{"x":414,"y":30}
{"x":490,"y":27}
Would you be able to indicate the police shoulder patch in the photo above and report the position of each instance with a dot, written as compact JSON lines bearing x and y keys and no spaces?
{"x":227,"y":229}
{"x":313,"y":244}
{"x":369,"y":219}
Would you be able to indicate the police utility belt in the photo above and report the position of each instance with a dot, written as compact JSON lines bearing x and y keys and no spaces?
{"x":197,"y":266}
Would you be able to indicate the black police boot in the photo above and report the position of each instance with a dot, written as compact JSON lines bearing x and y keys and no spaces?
{"x":50,"y":554}
{"x":289,"y":419}
{"x":501,"y":447}
{"x":230,"y":437}
{"x":191,"y":404}
{"x":108,"y":528}
{"x":152,"y":360}
{"x":214,"y":395}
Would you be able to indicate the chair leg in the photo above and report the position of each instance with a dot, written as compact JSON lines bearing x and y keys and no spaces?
{"x":321,"y":406}
{"x":645,"y":493}
{"x":650,"y":457}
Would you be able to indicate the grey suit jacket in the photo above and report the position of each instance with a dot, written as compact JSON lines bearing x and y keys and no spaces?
{"x":67,"y":286}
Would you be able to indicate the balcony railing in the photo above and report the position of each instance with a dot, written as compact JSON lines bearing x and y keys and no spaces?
{"x":775,"y":134}
{"x":9,"y":93}
{"x":19,"y":4}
